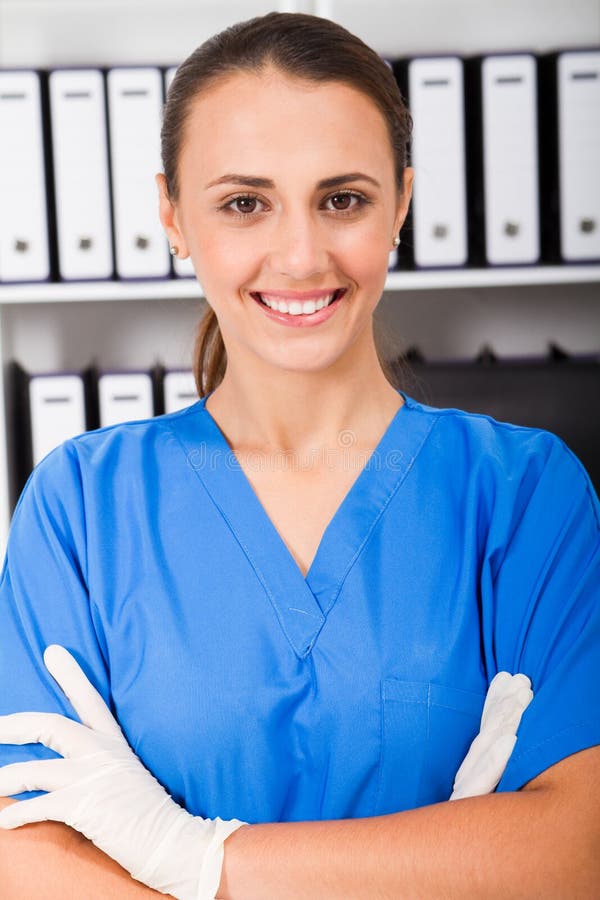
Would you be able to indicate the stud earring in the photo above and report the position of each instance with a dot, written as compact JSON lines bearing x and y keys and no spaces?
{"x":173,"y":251}
{"x":397,"y":240}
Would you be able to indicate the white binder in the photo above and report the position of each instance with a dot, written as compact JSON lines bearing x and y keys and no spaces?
{"x":124,"y":396}
{"x":57,"y":411}
{"x":435,"y":88}
{"x":24,"y":252}
{"x":510,"y":158}
{"x":80,"y":152}
{"x":135,"y":98}
{"x":578,"y":83}
{"x":183,"y":268}
{"x":179,"y":390}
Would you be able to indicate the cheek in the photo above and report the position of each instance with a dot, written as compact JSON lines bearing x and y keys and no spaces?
{"x":223,"y":263}
{"x":367,"y":246}
{"x":368,"y":263}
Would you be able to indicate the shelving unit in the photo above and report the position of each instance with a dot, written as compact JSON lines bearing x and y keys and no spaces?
{"x":134,"y":323}
{"x":445,"y":279}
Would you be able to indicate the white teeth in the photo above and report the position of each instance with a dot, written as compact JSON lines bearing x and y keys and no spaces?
{"x":297,"y":308}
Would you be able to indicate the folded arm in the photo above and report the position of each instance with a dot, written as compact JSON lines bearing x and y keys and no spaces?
{"x":53,"y":861}
{"x":102,"y":789}
{"x":543,"y":841}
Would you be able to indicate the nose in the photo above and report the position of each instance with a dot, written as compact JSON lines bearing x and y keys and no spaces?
{"x":299,"y":247}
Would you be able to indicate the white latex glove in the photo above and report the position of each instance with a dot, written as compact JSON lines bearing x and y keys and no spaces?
{"x":101,"y":789}
{"x":507,"y":699}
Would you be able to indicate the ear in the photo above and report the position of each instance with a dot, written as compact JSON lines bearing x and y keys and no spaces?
{"x":404,"y":198}
{"x":168,"y":217}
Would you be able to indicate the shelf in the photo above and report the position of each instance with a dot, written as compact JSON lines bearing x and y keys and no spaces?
{"x":492,"y":277}
{"x":63,"y":292}
{"x":75,"y":291}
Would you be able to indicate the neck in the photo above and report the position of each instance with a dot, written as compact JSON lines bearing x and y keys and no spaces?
{"x":260,"y":408}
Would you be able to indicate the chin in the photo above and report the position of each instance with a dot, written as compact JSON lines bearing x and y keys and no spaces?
{"x":300,"y":365}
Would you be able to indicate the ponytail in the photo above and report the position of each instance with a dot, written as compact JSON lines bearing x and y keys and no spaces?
{"x":210,"y":357}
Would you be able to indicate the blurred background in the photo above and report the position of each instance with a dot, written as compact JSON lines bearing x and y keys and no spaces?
{"x":521,"y":342}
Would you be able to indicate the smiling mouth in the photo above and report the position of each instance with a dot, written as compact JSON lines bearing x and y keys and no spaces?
{"x":299,"y":307}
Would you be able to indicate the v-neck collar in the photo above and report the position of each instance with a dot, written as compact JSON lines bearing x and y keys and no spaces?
{"x":302,"y":603}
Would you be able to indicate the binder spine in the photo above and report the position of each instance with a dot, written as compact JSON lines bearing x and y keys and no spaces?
{"x":549,"y":188}
{"x":473,"y":101}
{"x":157,"y":374}
{"x":49,"y":177}
{"x":90,"y":377}
{"x":24,"y":253}
{"x":79,"y":144}
{"x":436,"y":96}
{"x":135,"y":101}
{"x":21,"y":428}
{"x":109,"y":165}
{"x":578,"y":81}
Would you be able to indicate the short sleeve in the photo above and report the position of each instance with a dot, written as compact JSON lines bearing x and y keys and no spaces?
{"x":543,"y":590}
{"x":44,"y":597}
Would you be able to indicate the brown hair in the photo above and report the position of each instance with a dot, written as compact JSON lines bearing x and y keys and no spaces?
{"x":302,"y":46}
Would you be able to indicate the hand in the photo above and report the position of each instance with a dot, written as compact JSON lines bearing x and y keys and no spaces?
{"x":101,"y":789}
{"x":507,"y":698}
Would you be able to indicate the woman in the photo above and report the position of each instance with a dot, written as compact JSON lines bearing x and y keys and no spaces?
{"x":295,"y":594}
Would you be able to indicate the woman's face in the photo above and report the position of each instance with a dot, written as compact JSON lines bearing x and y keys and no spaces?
{"x":287,"y":195}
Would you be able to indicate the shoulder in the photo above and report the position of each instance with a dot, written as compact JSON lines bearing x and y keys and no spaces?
{"x":105,"y":457}
{"x":488,"y":435}
{"x":506,"y":462}
{"x":100,"y":480}
{"x":118,"y":443}
{"x":128,"y":439}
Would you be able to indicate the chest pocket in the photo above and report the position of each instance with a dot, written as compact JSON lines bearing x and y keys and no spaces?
{"x":426,"y":732}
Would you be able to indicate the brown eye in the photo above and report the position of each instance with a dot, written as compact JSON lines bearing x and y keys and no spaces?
{"x":346,"y":202}
{"x":245,"y":204}
{"x":341,"y":201}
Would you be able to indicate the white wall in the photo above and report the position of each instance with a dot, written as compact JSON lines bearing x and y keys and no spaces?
{"x":467,"y":26}
{"x":49,"y":32}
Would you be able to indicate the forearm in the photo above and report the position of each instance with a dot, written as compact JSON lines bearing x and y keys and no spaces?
{"x":501,"y":846}
{"x":53,"y":861}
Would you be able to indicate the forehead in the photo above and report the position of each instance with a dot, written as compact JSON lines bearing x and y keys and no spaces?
{"x":255,"y":119}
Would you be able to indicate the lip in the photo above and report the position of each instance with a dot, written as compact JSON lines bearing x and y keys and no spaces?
{"x":302,"y":321}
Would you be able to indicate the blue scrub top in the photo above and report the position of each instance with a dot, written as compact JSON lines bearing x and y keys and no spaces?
{"x":466,"y":546}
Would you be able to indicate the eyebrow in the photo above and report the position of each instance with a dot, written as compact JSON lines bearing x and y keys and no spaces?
{"x":267,"y":183}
